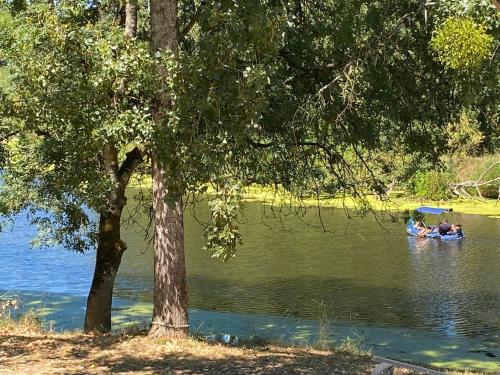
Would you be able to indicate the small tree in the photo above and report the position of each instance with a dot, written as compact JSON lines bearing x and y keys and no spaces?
{"x":78,"y":103}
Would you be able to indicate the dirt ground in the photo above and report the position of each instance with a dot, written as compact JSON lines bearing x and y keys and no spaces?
{"x":25,"y":349}
{"x":77,"y":353}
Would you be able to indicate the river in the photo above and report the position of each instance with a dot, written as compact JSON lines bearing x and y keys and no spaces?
{"x":410,"y":298}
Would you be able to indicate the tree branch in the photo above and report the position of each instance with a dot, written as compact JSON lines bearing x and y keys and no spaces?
{"x":132,"y":160}
{"x":192,"y":21}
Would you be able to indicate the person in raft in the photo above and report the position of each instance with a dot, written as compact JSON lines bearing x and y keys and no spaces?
{"x":456,"y":229}
{"x":444,"y":227}
{"x":423,"y":229}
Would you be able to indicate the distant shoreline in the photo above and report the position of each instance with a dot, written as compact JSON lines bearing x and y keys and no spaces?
{"x":394,"y":203}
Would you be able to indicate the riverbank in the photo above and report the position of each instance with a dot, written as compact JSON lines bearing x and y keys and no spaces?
{"x":26,"y":349}
{"x":396,"y":202}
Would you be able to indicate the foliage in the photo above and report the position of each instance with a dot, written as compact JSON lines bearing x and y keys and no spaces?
{"x":414,"y":214}
{"x":313,"y":123}
{"x":464,"y":135}
{"x":461,"y":44}
{"x":433,"y":184}
{"x":222,"y":232}
{"x":485,"y":78}
{"x":481,"y":11}
{"x":75,"y":87}
{"x":3,"y":76}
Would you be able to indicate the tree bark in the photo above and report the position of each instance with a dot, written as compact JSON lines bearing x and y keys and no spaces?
{"x":170,"y":316}
{"x":131,"y":18}
{"x":109,"y":254}
{"x":110,"y":246}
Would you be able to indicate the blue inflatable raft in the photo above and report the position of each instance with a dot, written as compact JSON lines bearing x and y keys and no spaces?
{"x":411,"y":228}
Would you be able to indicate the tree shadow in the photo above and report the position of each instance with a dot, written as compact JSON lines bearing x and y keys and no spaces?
{"x":79,"y":353}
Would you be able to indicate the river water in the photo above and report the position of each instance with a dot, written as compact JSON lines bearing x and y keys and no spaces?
{"x":409,"y":298}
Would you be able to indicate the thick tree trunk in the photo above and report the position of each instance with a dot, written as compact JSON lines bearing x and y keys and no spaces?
{"x":170,"y":317}
{"x":109,"y":254}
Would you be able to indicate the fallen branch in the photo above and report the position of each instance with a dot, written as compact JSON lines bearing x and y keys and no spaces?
{"x":460,"y":188}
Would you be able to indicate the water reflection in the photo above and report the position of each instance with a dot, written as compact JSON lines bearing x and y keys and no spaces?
{"x":448,"y":291}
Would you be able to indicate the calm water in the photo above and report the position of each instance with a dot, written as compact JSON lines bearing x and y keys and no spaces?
{"x":362,"y":273}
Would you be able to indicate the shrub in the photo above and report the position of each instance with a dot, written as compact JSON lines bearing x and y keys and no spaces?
{"x":433,"y":184}
{"x":464,"y":136}
{"x":461,"y":43}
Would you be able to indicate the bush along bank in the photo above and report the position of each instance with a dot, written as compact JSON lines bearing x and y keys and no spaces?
{"x":468,"y":177}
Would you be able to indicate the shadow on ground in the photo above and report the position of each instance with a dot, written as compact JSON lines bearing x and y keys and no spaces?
{"x":76,"y":353}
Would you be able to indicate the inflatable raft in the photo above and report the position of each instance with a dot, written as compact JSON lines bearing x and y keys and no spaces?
{"x":412,"y":230}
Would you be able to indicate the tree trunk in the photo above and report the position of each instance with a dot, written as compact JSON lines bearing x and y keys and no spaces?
{"x":109,"y":254}
{"x":131,"y":18}
{"x":170,"y":317}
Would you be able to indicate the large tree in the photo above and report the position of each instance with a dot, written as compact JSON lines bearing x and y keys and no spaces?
{"x":170,"y":317}
{"x":333,"y":84}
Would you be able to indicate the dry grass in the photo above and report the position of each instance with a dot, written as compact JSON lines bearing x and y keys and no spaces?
{"x":34,"y":352}
{"x":26,"y":349}
{"x":27,"y":323}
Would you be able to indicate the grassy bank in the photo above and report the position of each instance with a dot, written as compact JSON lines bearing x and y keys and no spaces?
{"x":395,"y":203}
{"x":26,"y":349}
